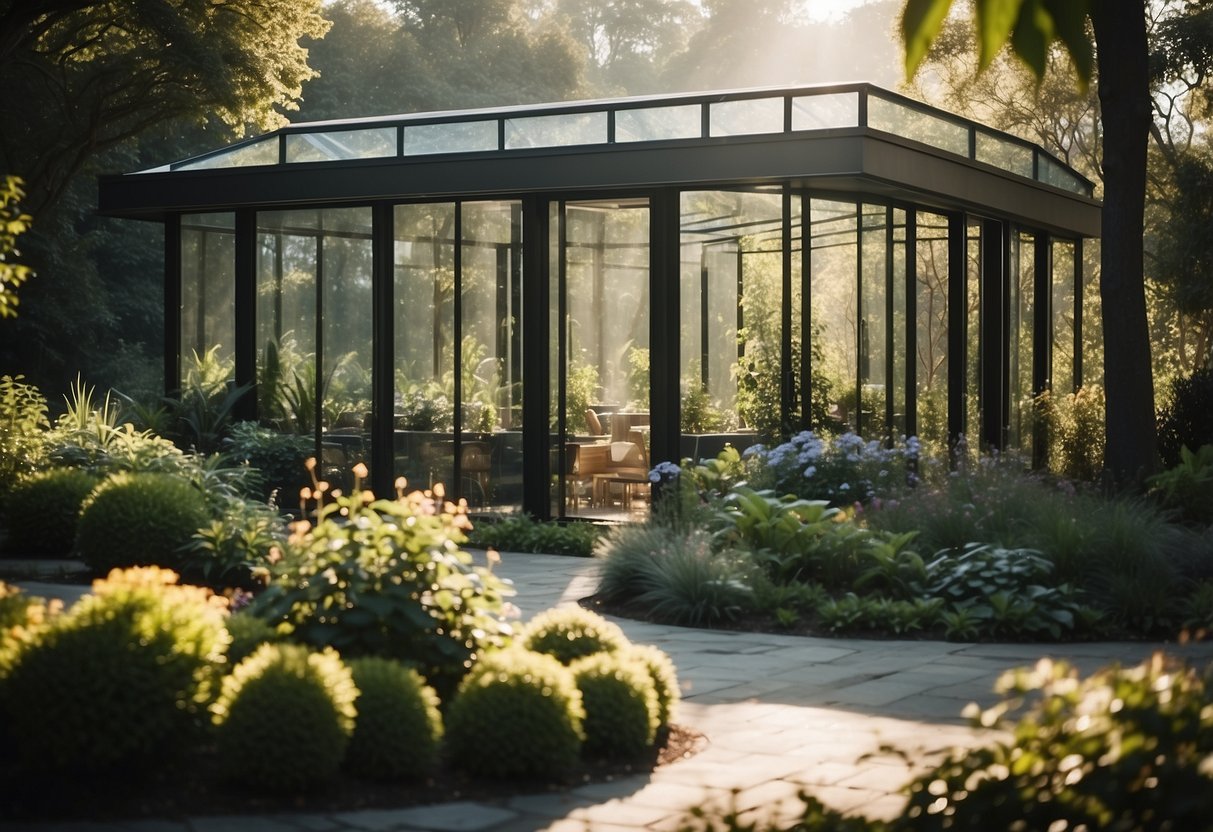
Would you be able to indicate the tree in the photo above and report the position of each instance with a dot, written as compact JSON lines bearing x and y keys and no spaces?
{"x":78,"y":77}
{"x":1122,"y":51}
{"x":13,"y":222}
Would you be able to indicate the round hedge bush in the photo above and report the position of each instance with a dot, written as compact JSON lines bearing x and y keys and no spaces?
{"x":139,"y":519}
{"x":569,"y":633}
{"x":398,"y":727}
{"x":248,"y":632}
{"x":664,"y":677}
{"x":516,"y":714}
{"x":41,"y":511}
{"x":621,"y":712}
{"x":284,"y":718}
{"x":120,"y":679}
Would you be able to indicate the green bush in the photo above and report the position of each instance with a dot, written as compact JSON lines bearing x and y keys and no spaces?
{"x":398,"y":727}
{"x":23,"y":425}
{"x":521,"y":533}
{"x":22,"y":617}
{"x":284,"y":718}
{"x":277,"y":458}
{"x":121,"y":679}
{"x":235,"y":548}
{"x":388,"y":578}
{"x":139,"y":520}
{"x":664,"y":677}
{"x":569,"y":633}
{"x":517,"y":714}
{"x":41,"y":511}
{"x":248,"y":632}
{"x":1187,"y":488}
{"x":621,"y":710}
{"x":1124,"y":749}
{"x":1187,"y":417}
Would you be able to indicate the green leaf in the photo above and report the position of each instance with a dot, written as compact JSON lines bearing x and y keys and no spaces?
{"x":1032,"y":35}
{"x":920,"y":24}
{"x":995,"y":20}
{"x":1070,"y":23}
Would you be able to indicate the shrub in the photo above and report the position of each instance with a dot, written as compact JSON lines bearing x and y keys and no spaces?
{"x":22,"y":617}
{"x":843,"y":470}
{"x":1124,"y":749}
{"x":284,"y":718}
{"x":387,"y":578}
{"x":621,"y":711}
{"x":138,"y":520}
{"x":1075,"y":431}
{"x":517,"y":714}
{"x":235,"y":547}
{"x":1187,"y":417}
{"x":569,"y":633}
{"x":120,"y":679}
{"x":276,"y":458}
{"x":1187,"y":488}
{"x":248,"y":632}
{"x":398,"y":727}
{"x":41,"y":511}
{"x":23,"y":425}
{"x":521,"y":533}
{"x":664,"y":677}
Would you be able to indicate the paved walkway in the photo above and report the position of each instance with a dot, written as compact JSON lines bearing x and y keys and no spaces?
{"x":781,"y":713}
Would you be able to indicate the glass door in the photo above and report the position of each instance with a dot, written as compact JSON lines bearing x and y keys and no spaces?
{"x":600,"y":383}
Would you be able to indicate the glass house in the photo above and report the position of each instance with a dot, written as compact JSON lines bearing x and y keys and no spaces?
{"x":535,"y":305}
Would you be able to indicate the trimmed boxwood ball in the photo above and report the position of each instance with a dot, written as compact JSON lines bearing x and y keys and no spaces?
{"x":568,"y":633}
{"x":664,"y":676}
{"x":120,"y":680}
{"x":41,"y":511}
{"x":398,"y":728}
{"x":248,"y":632}
{"x":621,"y":711}
{"x":139,"y":519}
{"x":284,"y":718}
{"x":516,"y":714}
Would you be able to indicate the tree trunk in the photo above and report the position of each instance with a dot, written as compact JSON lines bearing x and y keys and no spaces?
{"x":1124,"y":96}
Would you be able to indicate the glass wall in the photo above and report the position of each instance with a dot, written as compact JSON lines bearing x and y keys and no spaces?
{"x":1092,"y":315}
{"x":873,"y":321}
{"x":208,"y":299}
{"x":973,"y":336}
{"x":931,"y":335}
{"x":834,"y":300}
{"x":1063,"y":318}
{"x":1021,"y":320}
{"x":313,"y":326}
{"x":601,"y":270}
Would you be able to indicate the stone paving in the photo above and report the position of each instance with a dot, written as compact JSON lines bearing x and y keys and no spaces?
{"x":781,"y":714}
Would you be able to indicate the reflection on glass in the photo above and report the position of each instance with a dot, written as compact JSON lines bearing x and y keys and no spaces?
{"x":208,"y":291}
{"x":931,"y":337}
{"x":897,"y":292}
{"x":455,"y":137}
{"x":972,"y":358}
{"x":1007,"y":155}
{"x":751,"y":115}
{"x":341,"y":144}
{"x":872,"y":321}
{"x":902,"y":120}
{"x":1052,"y":172}
{"x":835,"y":299}
{"x":656,"y":123}
{"x":1021,"y":320}
{"x":490,"y":373}
{"x":821,"y":112}
{"x":314,"y":331}
{"x":261,"y":152}
{"x":604,"y":338}
{"x":1092,"y":315}
{"x":424,"y":297}
{"x":556,"y":130}
{"x":1063,"y":318}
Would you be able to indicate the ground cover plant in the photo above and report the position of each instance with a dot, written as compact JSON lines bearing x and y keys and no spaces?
{"x":844,"y":536}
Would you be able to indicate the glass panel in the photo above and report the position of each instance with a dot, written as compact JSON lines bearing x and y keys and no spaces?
{"x":208,"y":292}
{"x":1063,"y":318}
{"x":931,"y":338}
{"x":424,"y":286}
{"x":341,"y":144}
{"x":455,"y":137}
{"x":928,"y":128}
{"x":563,"y":457}
{"x":605,"y":363}
{"x":656,"y":123}
{"x":1021,"y":320}
{"x":261,"y":152}
{"x":731,"y":297}
{"x":751,"y":115}
{"x":1092,"y":315}
{"x":897,"y":293}
{"x":490,"y":286}
{"x":821,"y":112}
{"x":1053,"y":173}
{"x":1009,"y":156}
{"x":835,"y":298}
{"x":873,"y":377}
{"x":973,"y":427}
{"x":556,"y":130}
{"x":315,"y":263}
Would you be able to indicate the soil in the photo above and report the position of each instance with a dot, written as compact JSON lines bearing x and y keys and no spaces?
{"x":191,"y":786}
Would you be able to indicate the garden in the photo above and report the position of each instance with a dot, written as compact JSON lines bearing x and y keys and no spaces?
{"x":352,"y":647}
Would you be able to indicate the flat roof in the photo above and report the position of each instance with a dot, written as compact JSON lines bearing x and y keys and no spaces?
{"x":850,"y":139}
